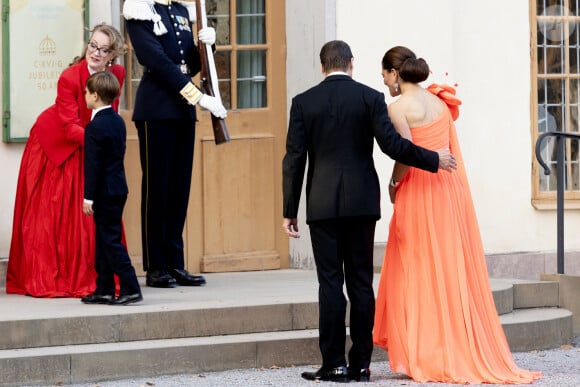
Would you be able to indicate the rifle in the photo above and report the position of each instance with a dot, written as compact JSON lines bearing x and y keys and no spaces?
{"x":208,"y":75}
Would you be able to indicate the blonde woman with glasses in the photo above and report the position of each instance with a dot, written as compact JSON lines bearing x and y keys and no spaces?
{"x":53,"y":244}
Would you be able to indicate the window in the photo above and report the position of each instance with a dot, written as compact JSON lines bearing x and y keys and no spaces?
{"x":240,"y":55}
{"x":241,"y":51}
{"x":555,"y":90}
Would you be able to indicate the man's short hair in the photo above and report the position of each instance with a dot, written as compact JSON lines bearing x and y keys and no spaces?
{"x":335,"y":55}
{"x":105,"y":84}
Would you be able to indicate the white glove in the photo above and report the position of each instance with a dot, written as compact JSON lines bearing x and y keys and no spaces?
{"x":214,"y":105}
{"x":206,"y":35}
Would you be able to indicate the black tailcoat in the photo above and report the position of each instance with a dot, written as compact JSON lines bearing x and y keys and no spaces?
{"x":333,"y":126}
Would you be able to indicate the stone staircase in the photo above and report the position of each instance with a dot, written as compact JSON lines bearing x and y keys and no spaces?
{"x":239,"y":320}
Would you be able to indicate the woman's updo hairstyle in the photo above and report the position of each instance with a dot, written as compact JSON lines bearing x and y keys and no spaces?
{"x":410,"y":68}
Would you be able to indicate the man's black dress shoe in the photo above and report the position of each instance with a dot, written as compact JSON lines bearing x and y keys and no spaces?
{"x":183,"y":278}
{"x":97,"y":299}
{"x":127,"y":299}
{"x":360,"y":375}
{"x":160,"y":279}
{"x":338,"y":375}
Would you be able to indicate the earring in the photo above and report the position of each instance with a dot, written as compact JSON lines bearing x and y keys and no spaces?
{"x":396,"y":87}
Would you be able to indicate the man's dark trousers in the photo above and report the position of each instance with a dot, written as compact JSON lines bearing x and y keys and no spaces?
{"x":337,"y":243}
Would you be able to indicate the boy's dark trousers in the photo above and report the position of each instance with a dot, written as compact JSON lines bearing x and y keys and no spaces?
{"x":111,"y":255}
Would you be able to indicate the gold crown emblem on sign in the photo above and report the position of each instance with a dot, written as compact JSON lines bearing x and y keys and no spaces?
{"x":47,"y":47}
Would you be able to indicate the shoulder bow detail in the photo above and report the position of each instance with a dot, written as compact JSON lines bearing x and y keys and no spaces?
{"x":144,"y":10}
{"x":447,"y":94}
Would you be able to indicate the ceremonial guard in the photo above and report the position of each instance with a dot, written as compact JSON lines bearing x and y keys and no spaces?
{"x":164,"y":113}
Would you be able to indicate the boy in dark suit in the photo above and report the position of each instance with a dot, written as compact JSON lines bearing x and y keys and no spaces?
{"x":106,"y":192}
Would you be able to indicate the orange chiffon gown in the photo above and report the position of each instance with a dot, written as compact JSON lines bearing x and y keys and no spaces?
{"x":435,"y":313}
{"x":52,"y":251}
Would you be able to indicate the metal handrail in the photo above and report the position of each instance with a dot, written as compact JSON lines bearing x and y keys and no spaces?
{"x":559,"y":185}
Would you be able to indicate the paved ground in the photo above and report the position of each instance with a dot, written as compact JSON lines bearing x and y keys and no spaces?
{"x":560,"y":368}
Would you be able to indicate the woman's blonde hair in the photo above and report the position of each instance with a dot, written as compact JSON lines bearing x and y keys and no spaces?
{"x":117,"y":45}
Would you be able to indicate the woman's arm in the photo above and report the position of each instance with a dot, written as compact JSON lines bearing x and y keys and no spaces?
{"x":67,"y":106}
{"x":396,"y":112}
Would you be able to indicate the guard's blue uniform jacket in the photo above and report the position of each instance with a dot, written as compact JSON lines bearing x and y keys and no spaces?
{"x":158,"y":96}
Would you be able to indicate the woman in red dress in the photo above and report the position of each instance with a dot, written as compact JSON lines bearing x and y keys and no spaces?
{"x":53,"y":244}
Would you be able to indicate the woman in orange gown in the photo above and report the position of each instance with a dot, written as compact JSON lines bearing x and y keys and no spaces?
{"x":53,"y":244}
{"x":435,"y":313}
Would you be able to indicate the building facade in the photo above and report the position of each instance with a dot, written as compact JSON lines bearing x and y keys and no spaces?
{"x":514,"y":65}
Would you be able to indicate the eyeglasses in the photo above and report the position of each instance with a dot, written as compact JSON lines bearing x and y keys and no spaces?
{"x":100,"y":50}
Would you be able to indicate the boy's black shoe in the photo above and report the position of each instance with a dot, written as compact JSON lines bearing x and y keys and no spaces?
{"x":127,"y":299}
{"x":97,"y":299}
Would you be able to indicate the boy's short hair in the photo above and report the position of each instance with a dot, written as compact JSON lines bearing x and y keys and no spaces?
{"x":105,"y":84}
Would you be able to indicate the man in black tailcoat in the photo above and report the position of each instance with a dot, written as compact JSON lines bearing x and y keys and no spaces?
{"x":334,"y":125}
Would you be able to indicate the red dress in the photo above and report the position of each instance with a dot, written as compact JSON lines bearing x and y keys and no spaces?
{"x":435,"y":313}
{"x":52,"y":251}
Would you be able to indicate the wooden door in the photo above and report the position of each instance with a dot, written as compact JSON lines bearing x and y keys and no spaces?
{"x":235,"y":209}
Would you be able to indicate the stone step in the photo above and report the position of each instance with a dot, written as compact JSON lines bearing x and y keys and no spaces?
{"x":526,"y":329}
{"x":503,"y":295}
{"x":239,"y":320}
{"x":535,"y":294}
{"x":27,"y":322}
{"x":510,"y":294}
{"x":155,"y":325}
{"x":537,"y":328}
{"x":98,"y":362}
